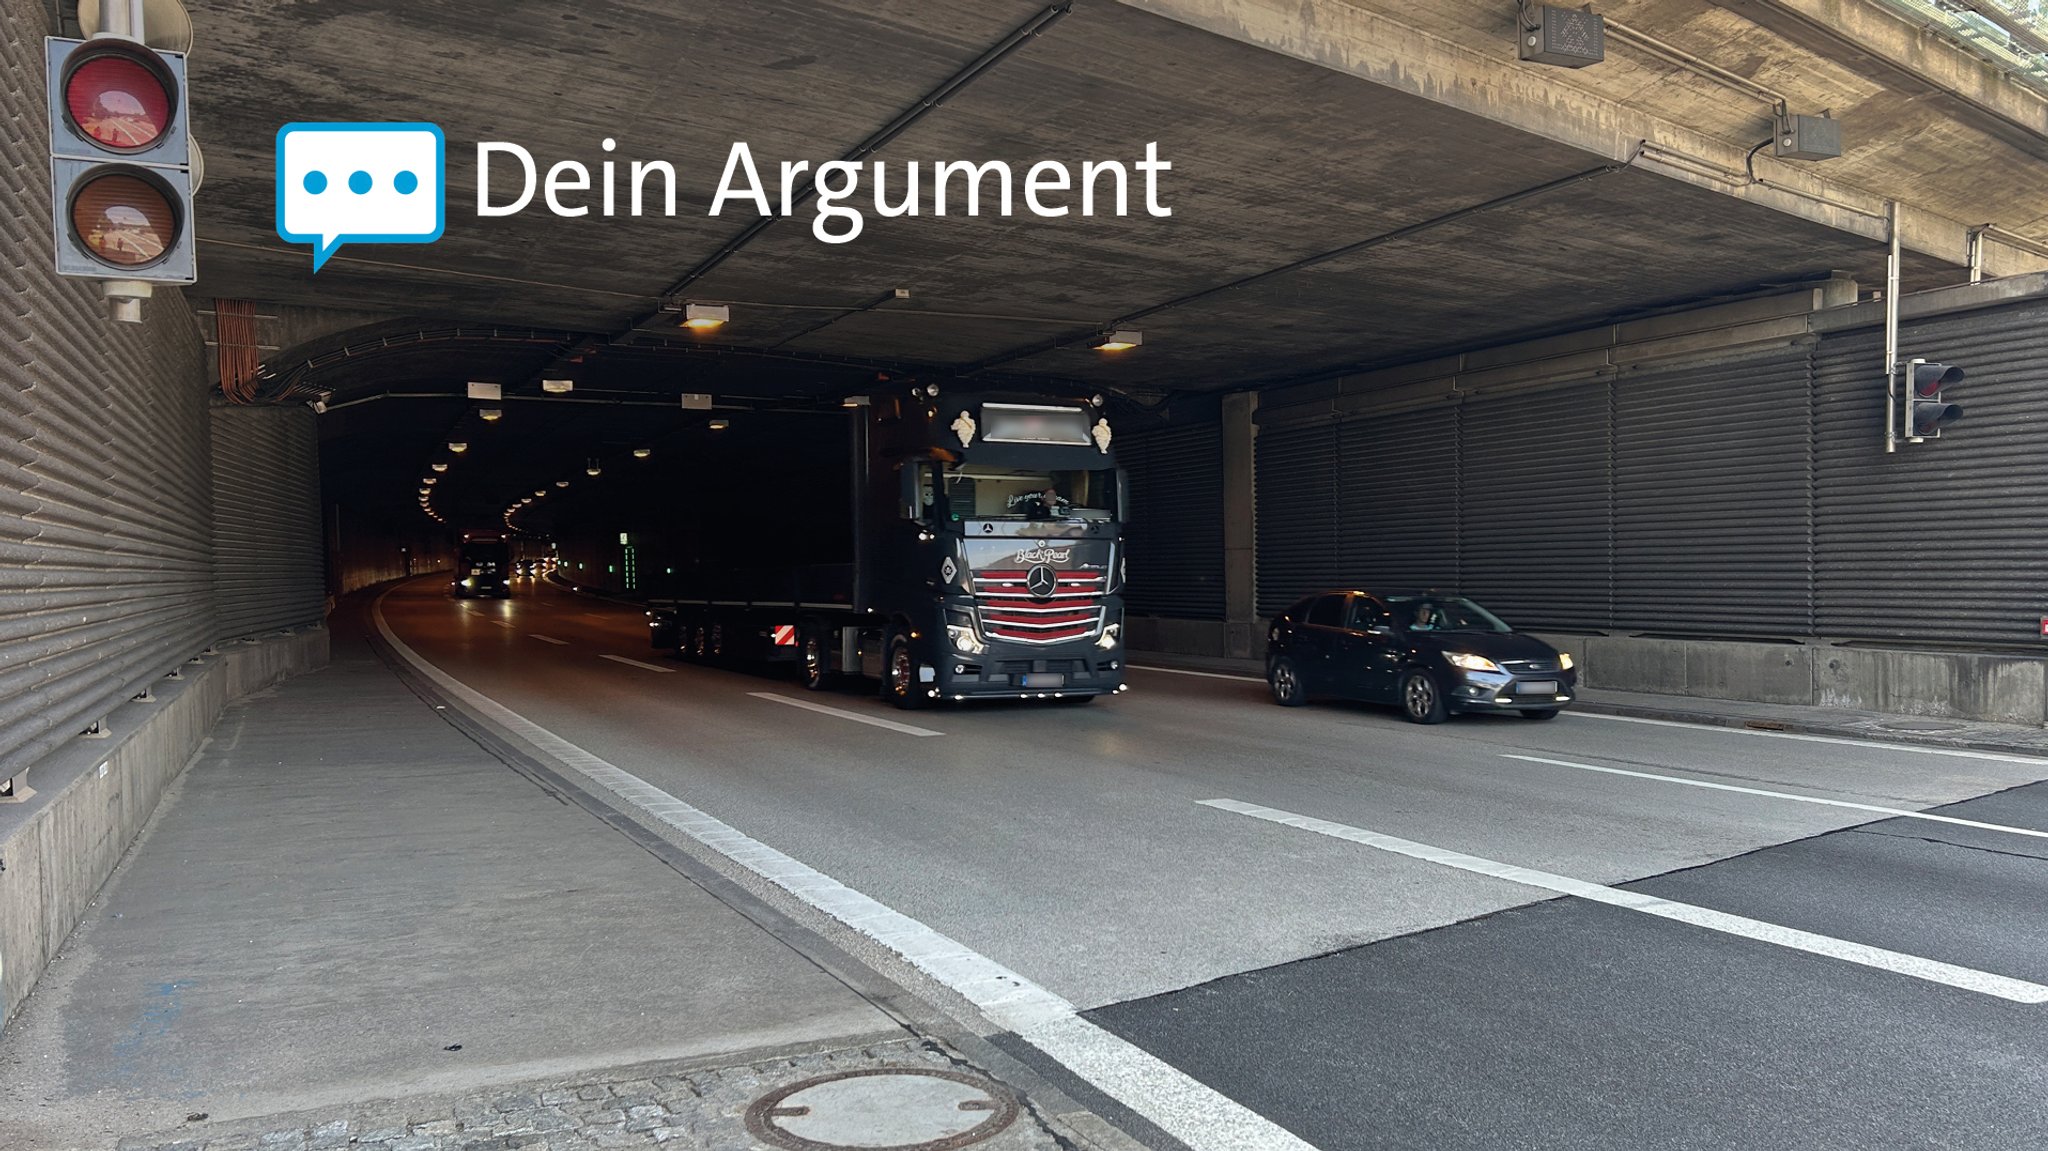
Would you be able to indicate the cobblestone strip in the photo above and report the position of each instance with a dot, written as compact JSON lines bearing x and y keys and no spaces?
{"x":693,"y":1110}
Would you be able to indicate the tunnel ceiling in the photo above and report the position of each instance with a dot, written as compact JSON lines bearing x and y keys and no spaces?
{"x":1277,"y":162}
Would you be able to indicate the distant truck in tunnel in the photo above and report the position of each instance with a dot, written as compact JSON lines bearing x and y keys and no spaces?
{"x":984,"y":560}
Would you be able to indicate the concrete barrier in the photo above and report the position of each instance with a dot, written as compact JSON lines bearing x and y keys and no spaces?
{"x":93,"y":795}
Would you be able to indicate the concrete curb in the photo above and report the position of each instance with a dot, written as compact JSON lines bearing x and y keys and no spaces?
{"x":1801,"y":727}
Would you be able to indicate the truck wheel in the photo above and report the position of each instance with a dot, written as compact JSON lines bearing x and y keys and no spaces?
{"x":817,"y":662}
{"x":697,"y":642}
{"x":899,"y":674}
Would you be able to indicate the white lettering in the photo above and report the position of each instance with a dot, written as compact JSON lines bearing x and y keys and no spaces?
{"x":790,"y":171}
{"x":1090,"y":171}
{"x":668,"y":183}
{"x":567,"y":176}
{"x":829,"y":197}
{"x":1046,"y":176}
{"x":483,"y":178}
{"x":975,"y":175}
{"x":1152,"y":165}
{"x":741,"y":158}
{"x":909,"y":205}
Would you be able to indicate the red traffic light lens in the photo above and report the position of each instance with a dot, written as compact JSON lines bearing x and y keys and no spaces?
{"x":124,"y":220}
{"x":118,"y":101}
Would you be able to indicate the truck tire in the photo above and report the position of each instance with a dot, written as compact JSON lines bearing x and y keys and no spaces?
{"x":899,"y":674}
{"x":816,"y":661}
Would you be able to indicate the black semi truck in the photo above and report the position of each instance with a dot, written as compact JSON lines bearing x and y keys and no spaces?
{"x":483,"y":567}
{"x":953,"y":548}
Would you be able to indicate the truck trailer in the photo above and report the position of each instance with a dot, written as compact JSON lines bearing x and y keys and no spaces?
{"x":976,"y":553}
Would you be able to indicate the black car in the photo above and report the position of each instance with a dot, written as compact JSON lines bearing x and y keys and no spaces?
{"x":1432,"y":653}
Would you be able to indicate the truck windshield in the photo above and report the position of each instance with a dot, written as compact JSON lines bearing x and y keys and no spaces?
{"x":979,"y":492}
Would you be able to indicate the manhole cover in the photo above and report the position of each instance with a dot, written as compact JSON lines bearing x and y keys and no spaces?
{"x":883,"y":1109}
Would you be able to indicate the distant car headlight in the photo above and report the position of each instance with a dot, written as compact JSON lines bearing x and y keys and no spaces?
{"x":1564,"y":661}
{"x":1471,"y":662}
{"x":964,"y":639}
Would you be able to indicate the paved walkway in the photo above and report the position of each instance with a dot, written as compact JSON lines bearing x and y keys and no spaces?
{"x":1843,"y":722}
{"x":349,"y":924}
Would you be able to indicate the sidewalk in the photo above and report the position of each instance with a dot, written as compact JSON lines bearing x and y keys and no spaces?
{"x":347,"y":924}
{"x":1803,"y":720}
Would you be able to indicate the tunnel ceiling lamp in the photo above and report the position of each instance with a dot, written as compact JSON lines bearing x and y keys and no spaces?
{"x":706,"y":317}
{"x":642,"y":453}
{"x":442,"y":466}
{"x":719,"y":425}
{"x":457,"y":446}
{"x":430,"y":481}
{"x":1121,"y":340}
{"x":593,"y":468}
{"x":540,"y":491}
{"x":491,"y":415}
{"x":558,"y":387}
{"x":561,"y":483}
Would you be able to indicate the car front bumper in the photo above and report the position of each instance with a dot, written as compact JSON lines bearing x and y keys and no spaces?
{"x":1500,"y":691}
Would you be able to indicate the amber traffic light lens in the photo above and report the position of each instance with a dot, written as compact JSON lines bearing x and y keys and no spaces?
{"x":118,"y":101}
{"x":125,"y":221}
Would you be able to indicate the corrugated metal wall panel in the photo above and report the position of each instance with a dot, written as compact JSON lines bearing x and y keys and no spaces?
{"x":1537,"y":506}
{"x":1176,"y":531}
{"x":269,"y":562}
{"x":105,"y":548}
{"x":1940,"y":541}
{"x":1713,"y":496}
{"x":1397,"y":512}
{"x":1297,"y":513}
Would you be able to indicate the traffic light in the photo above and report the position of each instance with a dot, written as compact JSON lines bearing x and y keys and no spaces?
{"x":1926,"y":412}
{"x":121,"y":165}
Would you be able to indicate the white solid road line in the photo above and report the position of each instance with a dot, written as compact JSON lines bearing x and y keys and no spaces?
{"x":1201,"y":674}
{"x":638,"y":664}
{"x":855,"y":716}
{"x":1897,"y":812}
{"x":1882,"y":745}
{"x":1899,"y":963}
{"x":549,"y":639}
{"x":1190,"y":1111}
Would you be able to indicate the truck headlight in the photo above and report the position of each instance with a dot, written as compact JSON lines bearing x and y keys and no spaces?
{"x":468,"y":582}
{"x":1471,"y":662}
{"x":964,"y":639}
{"x":1110,"y":632}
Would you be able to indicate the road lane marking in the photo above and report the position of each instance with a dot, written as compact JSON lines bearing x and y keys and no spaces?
{"x":1899,"y":963}
{"x":1897,"y":812}
{"x":1882,"y":745}
{"x":1202,"y":674}
{"x":855,"y":716}
{"x":638,"y":664}
{"x":1191,"y":1111}
{"x":549,"y":639}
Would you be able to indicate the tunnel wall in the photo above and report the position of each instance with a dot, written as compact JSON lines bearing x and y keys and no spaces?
{"x":364,"y":548}
{"x":1732,"y":515}
{"x":1175,"y":534}
{"x":269,"y":570}
{"x":106,"y":550}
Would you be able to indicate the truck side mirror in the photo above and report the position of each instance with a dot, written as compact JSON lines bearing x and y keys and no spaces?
{"x":910,"y":505}
{"x":1123,"y":496}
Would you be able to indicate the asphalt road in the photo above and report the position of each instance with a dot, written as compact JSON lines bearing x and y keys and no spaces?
{"x":1317,"y":913}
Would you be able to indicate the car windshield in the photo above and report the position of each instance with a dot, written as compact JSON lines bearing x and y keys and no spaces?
{"x":1443,"y":613}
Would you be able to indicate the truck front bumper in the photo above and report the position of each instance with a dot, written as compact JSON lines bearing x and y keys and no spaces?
{"x":1014,"y":671}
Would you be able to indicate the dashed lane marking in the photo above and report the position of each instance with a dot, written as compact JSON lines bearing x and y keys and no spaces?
{"x":549,"y":639}
{"x":1895,"y":812}
{"x":1881,"y":745}
{"x":638,"y":664}
{"x":1198,"y":674}
{"x":855,"y":716}
{"x":1899,"y":963}
{"x":1198,"y":1115}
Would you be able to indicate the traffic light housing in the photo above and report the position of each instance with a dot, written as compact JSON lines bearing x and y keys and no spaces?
{"x":1926,"y":412}
{"x":120,"y":162}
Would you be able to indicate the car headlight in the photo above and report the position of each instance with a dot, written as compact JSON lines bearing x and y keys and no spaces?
{"x":1471,"y":662}
{"x":1110,"y":632}
{"x":1564,"y":661}
{"x":964,"y":639}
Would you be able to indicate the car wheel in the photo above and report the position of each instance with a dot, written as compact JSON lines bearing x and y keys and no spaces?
{"x":1285,"y":680}
{"x":1421,"y":702}
{"x":899,"y":674}
{"x":1539,"y":713}
{"x":817,"y":665}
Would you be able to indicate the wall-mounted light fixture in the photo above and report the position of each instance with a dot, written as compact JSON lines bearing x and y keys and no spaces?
{"x":1121,"y":340}
{"x":706,"y":317}
{"x":558,"y":387}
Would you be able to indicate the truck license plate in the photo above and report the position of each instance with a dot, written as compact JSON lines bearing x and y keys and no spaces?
{"x":1537,"y":687}
{"x":1042,"y":679}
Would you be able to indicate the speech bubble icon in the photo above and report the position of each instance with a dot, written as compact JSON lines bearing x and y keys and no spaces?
{"x":360,"y":183}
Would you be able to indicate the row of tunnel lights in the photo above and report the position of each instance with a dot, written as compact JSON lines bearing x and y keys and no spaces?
{"x":456,"y":447}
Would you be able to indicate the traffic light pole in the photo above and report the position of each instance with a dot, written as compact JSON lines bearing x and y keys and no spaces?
{"x":1891,"y":339}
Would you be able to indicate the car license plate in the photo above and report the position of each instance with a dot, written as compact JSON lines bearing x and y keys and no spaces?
{"x":1536,"y":687}
{"x":1042,"y":679}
